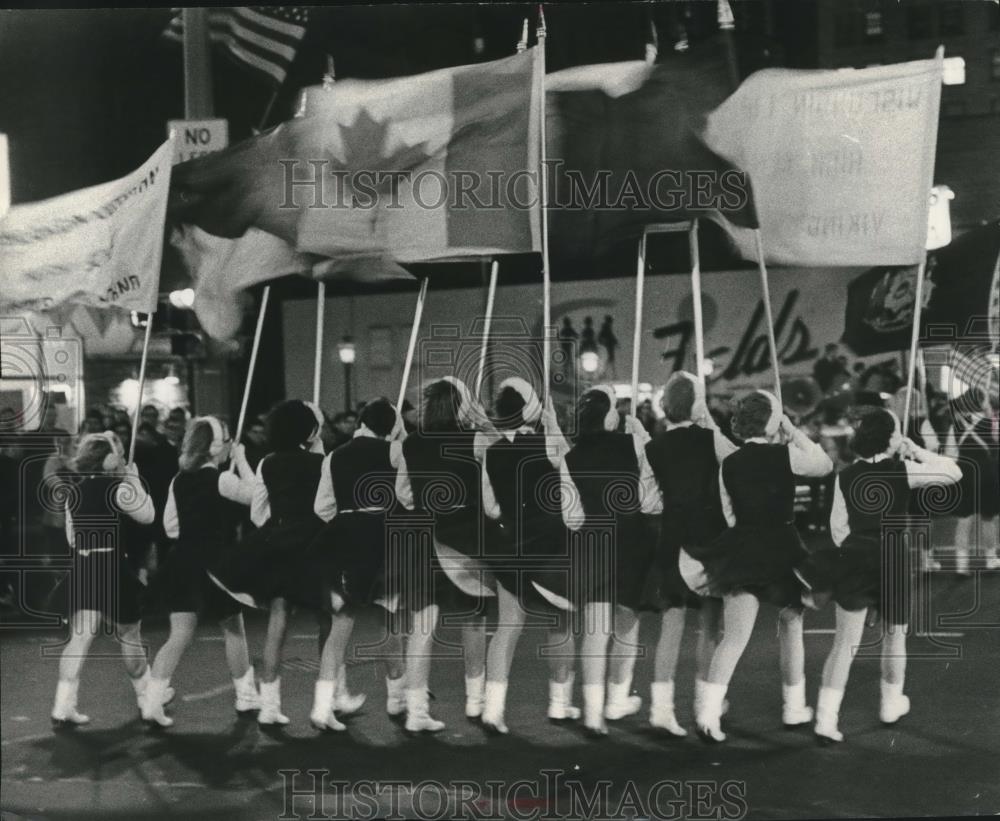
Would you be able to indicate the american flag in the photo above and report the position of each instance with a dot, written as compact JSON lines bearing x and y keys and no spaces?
{"x":263,"y":38}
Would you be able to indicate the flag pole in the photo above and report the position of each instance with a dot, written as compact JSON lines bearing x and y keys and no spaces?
{"x":766,"y":296}
{"x":546,"y":274}
{"x":142,"y":383}
{"x":490,"y":297}
{"x":640,"y":282}
{"x":699,"y":326}
{"x":241,"y":419}
{"x":911,"y":370}
{"x":414,"y":331}
{"x":318,"y":359}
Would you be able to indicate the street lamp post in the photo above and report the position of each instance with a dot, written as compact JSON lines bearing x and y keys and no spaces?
{"x":346,"y":351}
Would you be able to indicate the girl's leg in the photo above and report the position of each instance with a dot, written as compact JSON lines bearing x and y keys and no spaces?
{"x":418,"y":668}
{"x":597,"y":631}
{"x":709,"y":633}
{"x":238,"y":658}
{"x":990,"y":544}
{"x":836,"y":669}
{"x":474,"y":652}
{"x":739,"y":613}
{"x":621,"y":663}
{"x":500,"y":657}
{"x":182,"y":626}
{"x":270,"y":684}
{"x":331,"y":668}
{"x":668,"y":648}
{"x":894,"y":704}
{"x":793,"y":668}
{"x":84,"y":625}
{"x":562,"y":657}
{"x":963,"y":543}
{"x":395,"y":668}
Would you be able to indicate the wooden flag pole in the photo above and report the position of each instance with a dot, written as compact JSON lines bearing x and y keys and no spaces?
{"x":766,"y":296}
{"x":241,"y":419}
{"x":911,"y":370}
{"x":546,"y":274}
{"x":414,"y":331}
{"x":490,"y":297}
{"x":142,"y":383}
{"x":640,"y":282}
{"x":699,"y":325}
{"x":318,"y":359}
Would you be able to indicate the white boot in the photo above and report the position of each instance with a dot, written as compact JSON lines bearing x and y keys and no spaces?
{"x":140,"y":684}
{"x":620,"y":701}
{"x":894,"y":704}
{"x":418,"y":717}
{"x":593,"y":710}
{"x":395,"y":698}
{"x":493,"y":707}
{"x":270,"y":703}
{"x":151,"y":703}
{"x":561,"y":700}
{"x":343,"y":702}
{"x":661,"y":709}
{"x":699,"y":688}
{"x":247,"y":697}
{"x":64,"y":710}
{"x":794,"y":710}
{"x":827,"y":713}
{"x":475,"y":694}
{"x":322,"y":717}
{"x":709,"y":717}
{"x":962,"y":561}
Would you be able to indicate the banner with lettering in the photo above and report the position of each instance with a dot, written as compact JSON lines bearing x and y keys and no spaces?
{"x":100,"y":246}
{"x":841,"y":162}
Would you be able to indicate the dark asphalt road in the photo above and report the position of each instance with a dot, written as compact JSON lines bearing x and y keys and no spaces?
{"x":942,"y":759}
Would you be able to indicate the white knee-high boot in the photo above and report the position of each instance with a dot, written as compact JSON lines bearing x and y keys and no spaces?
{"x":828,"y":714}
{"x":395,"y":696}
{"x":593,"y":709}
{"x":64,"y":712}
{"x":894,"y":704}
{"x":661,"y":710}
{"x":322,"y":717}
{"x":152,"y":701}
{"x":418,"y":717}
{"x":621,"y":702}
{"x":270,"y":703}
{"x":794,"y":709}
{"x":495,"y":703}
{"x":475,"y":695}
{"x":709,"y":717}
{"x":561,"y":700}
{"x":247,"y":697}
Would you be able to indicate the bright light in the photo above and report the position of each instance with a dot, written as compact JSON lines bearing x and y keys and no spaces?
{"x":171,"y":376}
{"x":128,"y":394}
{"x":590,"y":361}
{"x":182,"y":299}
{"x":954,"y":71}
{"x":346,"y":351}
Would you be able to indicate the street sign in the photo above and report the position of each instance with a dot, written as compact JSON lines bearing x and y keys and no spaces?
{"x":197,"y":137}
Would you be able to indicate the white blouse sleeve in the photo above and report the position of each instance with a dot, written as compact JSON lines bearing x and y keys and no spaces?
{"x":840,"y":528}
{"x":260,"y":504}
{"x":490,"y":505}
{"x":171,"y":521}
{"x":404,"y":491}
{"x":727,"y":503}
{"x":930,"y":469}
{"x":325,"y":503}
{"x":723,"y":445}
{"x":650,"y":496}
{"x":236,"y":488}
{"x":133,"y":500}
{"x":807,"y":457}
{"x":930,"y":436}
{"x":572,"y":507}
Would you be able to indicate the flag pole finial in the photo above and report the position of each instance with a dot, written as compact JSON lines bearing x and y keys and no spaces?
{"x":330,"y":77}
{"x":541,"y":22}
{"x":522,"y":44}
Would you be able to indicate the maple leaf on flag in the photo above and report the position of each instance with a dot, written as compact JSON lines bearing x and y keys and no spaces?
{"x":364,"y":148}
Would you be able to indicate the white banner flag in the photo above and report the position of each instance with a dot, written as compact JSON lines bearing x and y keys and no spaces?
{"x":99,"y":246}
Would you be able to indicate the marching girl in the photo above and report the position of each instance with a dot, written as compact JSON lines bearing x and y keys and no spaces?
{"x":265,"y":569}
{"x":868,"y":568}
{"x":754,"y":561}
{"x":99,"y":493}
{"x":439,"y":475}
{"x":685,"y":459}
{"x":521,"y":474}
{"x":607,"y":485}
{"x":975,"y":446}
{"x":201,"y":516}
{"x":356,"y":494}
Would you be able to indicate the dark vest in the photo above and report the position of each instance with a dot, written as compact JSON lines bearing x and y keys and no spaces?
{"x":874,"y":491}
{"x":683,"y":461}
{"x":760,"y":484}
{"x":605,"y":470}
{"x":202,"y":512}
{"x":362,"y":474}
{"x":96,"y":517}
{"x":443,"y":470}
{"x":524,"y":482}
{"x":291,"y":478}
